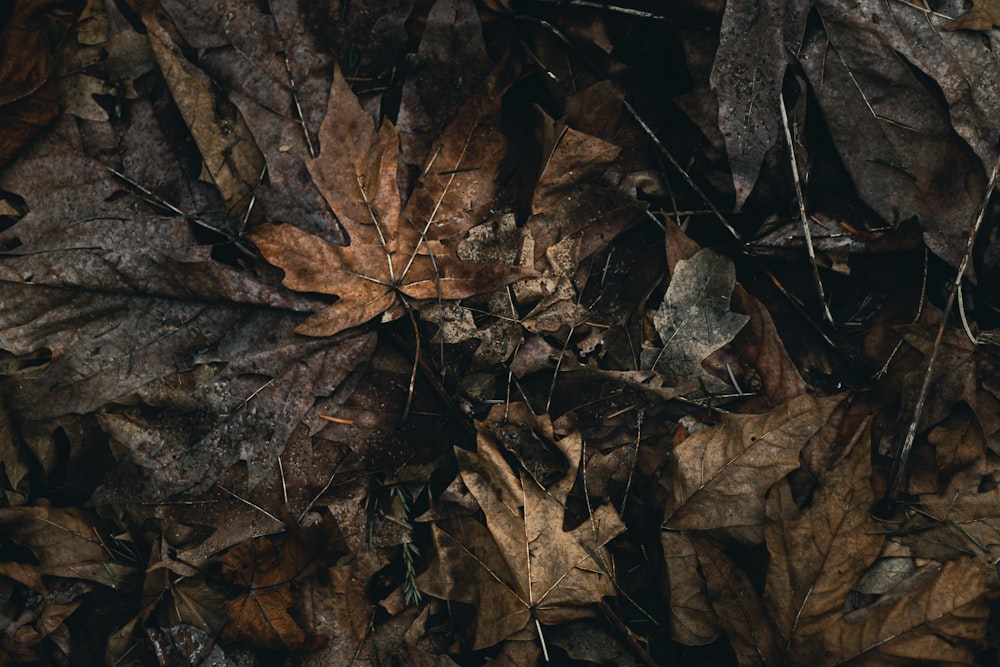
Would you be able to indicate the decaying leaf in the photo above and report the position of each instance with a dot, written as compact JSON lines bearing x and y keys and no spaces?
{"x":522,"y":565}
{"x":738,"y":608}
{"x":694,"y":319}
{"x":385,"y":260}
{"x":693,"y":621}
{"x":962,"y":372}
{"x":66,"y":542}
{"x":724,"y":472}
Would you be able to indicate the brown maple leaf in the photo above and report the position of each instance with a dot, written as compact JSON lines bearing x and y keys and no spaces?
{"x":522,"y":567}
{"x":395,"y":253}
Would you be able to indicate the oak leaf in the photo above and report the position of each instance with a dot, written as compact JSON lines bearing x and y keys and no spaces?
{"x":395,"y":253}
{"x":522,"y":566}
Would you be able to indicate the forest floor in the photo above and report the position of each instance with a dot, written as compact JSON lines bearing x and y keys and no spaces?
{"x":437,"y":332}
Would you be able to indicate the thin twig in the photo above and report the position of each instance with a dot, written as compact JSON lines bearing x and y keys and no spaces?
{"x":903,"y":455}
{"x":635,"y":459}
{"x":802,"y":209}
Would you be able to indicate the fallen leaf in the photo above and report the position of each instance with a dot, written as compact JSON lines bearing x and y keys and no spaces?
{"x":965,"y":511}
{"x":875,"y":104}
{"x":723,"y":473}
{"x":522,"y":565}
{"x":693,"y":618}
{"x":962,"y":372}
{"x":231,"y":157}
{"x":385,"y":264}
{"x":694,"y":319}
{"x":738,"y":608}
{"x":939,"y":615}
{"x":958,"y":441}
{"x":66,"y":543}
{"x":984,"y":15}
{"x":450,"y":63}
{"x":27,"y":91}
{"x":266,"y":568}
{"x":756,"y":44}
{"x":98,"y":65}
{"x":817,"y":555}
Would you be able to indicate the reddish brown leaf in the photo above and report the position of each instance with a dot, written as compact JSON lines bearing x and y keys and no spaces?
{"x":27,"y":94}
{"x":267,"y":568}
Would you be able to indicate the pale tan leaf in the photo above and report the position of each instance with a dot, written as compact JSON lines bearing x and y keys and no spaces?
{"x":723,"y":472}
{"x":694,"y":319}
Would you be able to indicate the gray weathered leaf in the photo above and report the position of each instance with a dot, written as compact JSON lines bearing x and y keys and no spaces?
{"x":694,"y":319}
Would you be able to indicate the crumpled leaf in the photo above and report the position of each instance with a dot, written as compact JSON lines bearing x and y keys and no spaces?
{"x":694,"y":319}
{"x":723,"y":472}
{"x":522,"y":563}
{"x":385,"y":261}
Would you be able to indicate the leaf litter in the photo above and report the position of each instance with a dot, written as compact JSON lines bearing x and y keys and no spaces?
{"x":455,"y":332}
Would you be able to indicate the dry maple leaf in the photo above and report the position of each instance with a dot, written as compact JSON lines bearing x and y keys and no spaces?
{"x":522,"y":566}
{"x":394,"y":253}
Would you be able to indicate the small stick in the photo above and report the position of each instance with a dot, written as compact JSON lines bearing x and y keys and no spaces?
{"x":902,"y":457}
{"x":802,"y":209}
